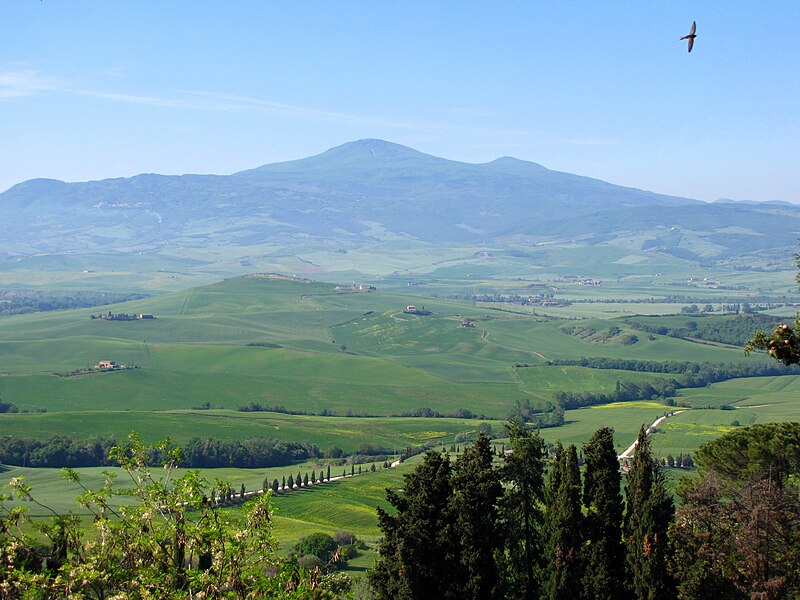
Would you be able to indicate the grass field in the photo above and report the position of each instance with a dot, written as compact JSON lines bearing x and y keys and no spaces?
{"x":308,"y":346}
{"x":316,"y":347}
{"x":182,"y":425}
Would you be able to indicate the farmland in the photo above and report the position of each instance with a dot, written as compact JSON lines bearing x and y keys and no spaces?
{"x":349,"y":365}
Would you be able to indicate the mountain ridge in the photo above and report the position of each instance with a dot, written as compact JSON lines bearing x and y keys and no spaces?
{"x":369,"y":191}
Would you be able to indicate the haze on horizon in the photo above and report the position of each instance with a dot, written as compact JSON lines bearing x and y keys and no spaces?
{"x":92,"y":90}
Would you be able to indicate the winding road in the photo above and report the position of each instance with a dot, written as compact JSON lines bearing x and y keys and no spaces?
{"x":629,"y":452}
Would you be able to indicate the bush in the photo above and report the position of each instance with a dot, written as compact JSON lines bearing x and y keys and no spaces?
{"x":320,"y":545}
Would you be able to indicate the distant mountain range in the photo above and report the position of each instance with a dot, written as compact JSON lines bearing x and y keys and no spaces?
{"x":372,"y":190}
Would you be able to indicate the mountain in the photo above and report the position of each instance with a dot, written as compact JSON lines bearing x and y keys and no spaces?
{"x":372,"y":190}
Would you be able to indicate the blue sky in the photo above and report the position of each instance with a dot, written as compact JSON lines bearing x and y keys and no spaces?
{"x":99,"y":89}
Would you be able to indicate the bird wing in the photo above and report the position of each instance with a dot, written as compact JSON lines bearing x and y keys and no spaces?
{"x":691,"y":43}
{"x":693,"y":29}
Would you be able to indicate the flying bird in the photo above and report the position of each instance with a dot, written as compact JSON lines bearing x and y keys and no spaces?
{"x":691,"y":35}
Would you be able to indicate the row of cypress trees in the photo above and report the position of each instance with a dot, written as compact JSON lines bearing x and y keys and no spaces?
{"x":474,"y":529}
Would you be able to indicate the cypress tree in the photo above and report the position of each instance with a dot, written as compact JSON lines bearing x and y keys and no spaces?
{"x":299,"y":479}
{"x":328,"y":476}
{"x":476,"y":492}
{"x":523,"y":474}
{"x":563,"y":526}
{"x":648,"y":513}
{"x":313,"y":477}
{"x":305,"y":480}
{"x":417,"y":558}
{"x":291,"y":482}
{"x":283,"y":483}
{"x":604,"y":575}
{"x":275,"y":485}
{"x":352,"y":469}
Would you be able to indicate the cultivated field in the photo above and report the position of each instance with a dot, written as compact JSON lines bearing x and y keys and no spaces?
{"x":362,"y":361}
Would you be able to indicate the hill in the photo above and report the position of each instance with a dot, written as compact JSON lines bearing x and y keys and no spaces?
{"x":367,"y":193}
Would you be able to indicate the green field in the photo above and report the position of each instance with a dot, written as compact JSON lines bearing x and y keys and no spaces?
{"x":182,"y":425}
{"x":317,"y":347}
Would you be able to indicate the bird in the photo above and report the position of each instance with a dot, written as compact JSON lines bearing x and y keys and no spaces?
{"x":691,"y":35}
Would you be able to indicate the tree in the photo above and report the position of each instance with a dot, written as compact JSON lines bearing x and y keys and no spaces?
{"x":476,"y":491}
{"x":523,"y":475}
{"x":737,"y":529}
{"x":648,"y":513}
{"x":604,"y":574}
{"x":770,"y":450}
{"x":783,"y":344}
{"x":275,"y":486}
{"x":418,"y":556}
{"x":320,"y":545}
{"x":172,"y":542}
{"x":563,"y":526}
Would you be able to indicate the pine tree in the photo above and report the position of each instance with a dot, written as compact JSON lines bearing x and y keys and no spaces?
{"x":523,"y":474}
{"x":604,"y":575}
{"x":417,"y":553}
{"x":476,"y":492}
{"x":563,"y":526}
{"x":648,"y":513}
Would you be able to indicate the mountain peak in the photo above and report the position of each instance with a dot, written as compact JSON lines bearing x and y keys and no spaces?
{"x":362,"y":155}
{"x":509,"y":164}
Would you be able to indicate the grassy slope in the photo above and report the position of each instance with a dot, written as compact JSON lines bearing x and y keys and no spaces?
{"x":196,"y":351}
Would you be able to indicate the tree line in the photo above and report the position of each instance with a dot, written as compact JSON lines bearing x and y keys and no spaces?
{"x":65,"y":451}
{"x":17,"y":302}
{"x":727,"y":331}
{"x":689,"y":375}
{"x":532,"y":528}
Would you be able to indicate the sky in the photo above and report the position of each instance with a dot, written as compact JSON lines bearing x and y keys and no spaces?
{"x":96,"y":89}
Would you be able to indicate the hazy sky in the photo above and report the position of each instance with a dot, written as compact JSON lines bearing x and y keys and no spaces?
{"x":98,"y":89}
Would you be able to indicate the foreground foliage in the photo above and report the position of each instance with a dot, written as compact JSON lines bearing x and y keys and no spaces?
{"x":157,"y":536}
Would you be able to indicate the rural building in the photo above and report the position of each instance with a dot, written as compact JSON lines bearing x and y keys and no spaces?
{"x":147,"y":316}
{"x":106,"y":364}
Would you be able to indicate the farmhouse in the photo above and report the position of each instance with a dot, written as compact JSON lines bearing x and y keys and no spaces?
{"x":106,"y":364}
